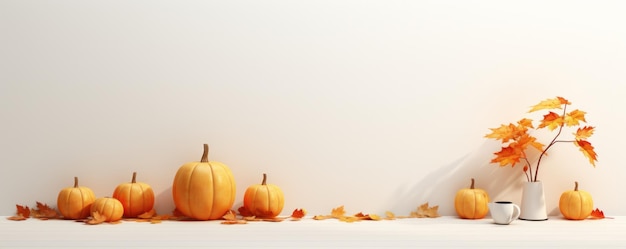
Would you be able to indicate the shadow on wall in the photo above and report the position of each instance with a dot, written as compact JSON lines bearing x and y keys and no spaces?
{"x":164,"y":202}
{"x":440,"y":186}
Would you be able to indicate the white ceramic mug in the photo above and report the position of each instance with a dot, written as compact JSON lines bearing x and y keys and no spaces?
{"x":503,"y":212}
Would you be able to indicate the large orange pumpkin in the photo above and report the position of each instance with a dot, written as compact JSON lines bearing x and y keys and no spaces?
{"x":204,"y":190}
{"x":264,"y":200}
{"x":74,"y":202}
{"x":576,"y":204}
{"x":136,"y":197}
{"x":109,"y":207}
{"x":471,"y":203}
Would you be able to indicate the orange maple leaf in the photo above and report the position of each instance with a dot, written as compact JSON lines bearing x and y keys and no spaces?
{"x":508,"y":155}
{"x":243,"y":211}
{"x":298,"y":213}
{"x":504,"y":133}
{"x":147,"y":215}
{"x":554,"y":103}
{"x":96,"y":218}
{"x":551,"y":120}
{"x":338,"y":212}
{"x":587,"y":149}
{"x":584,"y":132}
{"x":44,"y":212}
{"x":425,"y":211}
{"x":574,"y":118}
{"x":22,"y":213}
{"x":597,"y":214}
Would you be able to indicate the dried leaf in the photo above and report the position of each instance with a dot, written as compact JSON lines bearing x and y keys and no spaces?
{"x":243,"y":211}
{"x":390,"y":216}
{"x":322,"y":217}
{"x":552,"y":121}
{"x":96,"y":218}
{"x":298,"y":213}
{"x":233,"y":222}
{"x":21,"y":213}
{"x":597,"y":214}
{"x":338,"y":212}
{"x":230,"y":215}
{"x":147,"y":215}
{"x":44,"y":212}
{"x":424,"y":211}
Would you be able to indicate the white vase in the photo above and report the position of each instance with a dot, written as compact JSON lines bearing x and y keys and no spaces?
{"x":533,"y":202}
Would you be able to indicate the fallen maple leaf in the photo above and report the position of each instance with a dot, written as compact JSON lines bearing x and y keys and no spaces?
{"x":44,"y":212}
{"x":390,"y":216}
{"x":298,"y":214}
{"x":230,"y":218}
{"x":147,"y":215}
{"x":425,"y":211}
{"x":96,"y":218}
{"x":338,"y":212}
{"x":597,"y":214}
{"x":243,"y":211}
{"x":22,"y":213}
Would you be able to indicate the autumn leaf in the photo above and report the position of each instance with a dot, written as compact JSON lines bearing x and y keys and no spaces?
{"x":231,"y":218}
{"x":390,"y":216}
{"x":551,"y":120}
{"x":584,"y":132}
{"x":44,"y":212}
{"x":597,"y":214}
{"x":574,"y":118}
{"x":425,"y":211}
{"x":22,"y":213}
{"x":504,"y":133}
{"x":96,"y":218}
{"x":243,"y":211}
{"x":549,"y":104}
{"x":507,"y":155}
{"x":298,"y":214}
{"x":587,"y":149}
{"x":338,"y":212}
{"x":147,"y":215}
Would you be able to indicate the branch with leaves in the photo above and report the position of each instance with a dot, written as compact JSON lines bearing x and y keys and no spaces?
{"x":516,"y":138}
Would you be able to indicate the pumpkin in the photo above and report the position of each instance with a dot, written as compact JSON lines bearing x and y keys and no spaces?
{"x":471,"y":203}
{"x":136,"y":197}
{"x":576,"y":204}
{"x":74,"y":202}
{"x":109,"y":207}
{"x":204,"y":190}
{"x":264,"y":200}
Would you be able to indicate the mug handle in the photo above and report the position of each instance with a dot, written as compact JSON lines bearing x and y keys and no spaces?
{"x":516,"y":213}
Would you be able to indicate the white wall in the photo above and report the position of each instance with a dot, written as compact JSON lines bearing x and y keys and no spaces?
{"x":375,"y":105}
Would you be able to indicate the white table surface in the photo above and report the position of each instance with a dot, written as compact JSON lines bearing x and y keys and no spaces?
{"x":446,"y":232}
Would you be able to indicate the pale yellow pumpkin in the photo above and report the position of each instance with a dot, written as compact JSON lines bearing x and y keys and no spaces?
{"x":136,"y":197}
{"x":204,"y":190}
{"x":75,"y":202}
{"x":471,"y":203}
{"x":109,"y":207}
{"x":576,"y":204}
{"x":264,"y":200}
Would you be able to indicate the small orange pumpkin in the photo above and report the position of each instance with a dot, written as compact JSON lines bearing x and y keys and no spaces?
{"x":576,"y":204}
{"x":204,"y":190}
{"x":75,"y":202}
{"x":109,"y":207}
{"x":136,"y":197}
{"x":471,"y":203}
{"x":264,"y":200}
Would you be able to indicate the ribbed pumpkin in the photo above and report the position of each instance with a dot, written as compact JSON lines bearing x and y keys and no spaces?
{"x":264,"y":200}
{"x":109,"y":207}
{"x":471,"y":203}
{"x":74,"y":202}
{"x":136,"y":197}
{"x":204,"y":190}
{"x":576,"y":204}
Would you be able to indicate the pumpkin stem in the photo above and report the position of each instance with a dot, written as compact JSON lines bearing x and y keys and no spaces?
{"x":472,"y":186}
{"x":76,"y":181}
{"x":575,"y":186}
{"x":134,"y":180}
{"x":205,"y":154}
{"x":264,"y":179}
